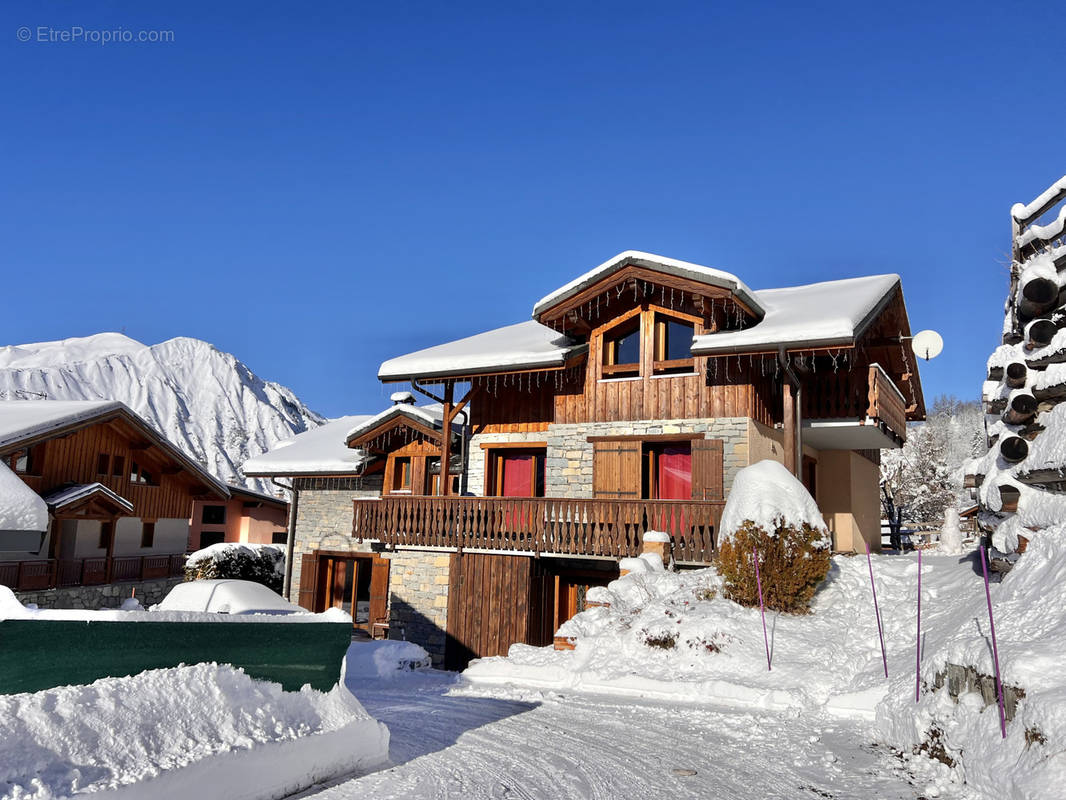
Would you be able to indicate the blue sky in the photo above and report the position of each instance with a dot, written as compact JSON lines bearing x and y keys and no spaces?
{"x":318,"y":187}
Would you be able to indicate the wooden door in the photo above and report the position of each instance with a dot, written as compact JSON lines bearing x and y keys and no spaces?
{"x":489,"y":606}
{"x":356,"y":583}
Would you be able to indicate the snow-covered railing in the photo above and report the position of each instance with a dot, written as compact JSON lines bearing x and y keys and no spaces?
{"x":542,"y":525}
{"x":1029,"y":237}
{"x":886,"y":403}
{"x":28,"y":576}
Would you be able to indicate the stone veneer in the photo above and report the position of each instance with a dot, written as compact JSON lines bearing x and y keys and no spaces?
{"x":108,"y":595}
{"x":418,"y":599}
{"x":569,"y":455}
{"x":324,"y":518}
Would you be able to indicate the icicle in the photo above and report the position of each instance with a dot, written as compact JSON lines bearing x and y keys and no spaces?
{"x":662,"y":300}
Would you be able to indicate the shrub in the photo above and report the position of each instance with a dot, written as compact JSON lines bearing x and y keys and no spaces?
{"x":792,"y":562}
{"x":263,"y":564}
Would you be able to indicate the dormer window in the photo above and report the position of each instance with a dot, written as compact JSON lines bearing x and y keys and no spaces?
{"x":621,"y":350}
{"x":673,"y":345}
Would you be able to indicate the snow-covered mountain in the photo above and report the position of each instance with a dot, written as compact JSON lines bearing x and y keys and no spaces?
{"x":205,"y":401}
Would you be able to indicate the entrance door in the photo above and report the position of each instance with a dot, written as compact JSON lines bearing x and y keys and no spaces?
{"x":356,"y":584}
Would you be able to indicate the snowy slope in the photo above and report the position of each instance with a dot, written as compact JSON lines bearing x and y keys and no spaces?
{"x":205,"y":401}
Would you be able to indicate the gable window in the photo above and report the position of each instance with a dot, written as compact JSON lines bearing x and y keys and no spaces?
{"x":673,"y":345}
{"x":138,"y":474}
{"x":621,"y":350}
{"x":28,"y":461}
{"x":118,"y":466}
{"x":103,"y":464}
{"x":516,"y":472}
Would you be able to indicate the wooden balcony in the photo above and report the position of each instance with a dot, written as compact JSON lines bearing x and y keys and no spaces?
{"x":542,"y":525}
{"x":887,"y":406}
{"x":28,"y":576}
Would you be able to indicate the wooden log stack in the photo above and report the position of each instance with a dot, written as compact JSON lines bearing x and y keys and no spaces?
{"x":1019,"y":390}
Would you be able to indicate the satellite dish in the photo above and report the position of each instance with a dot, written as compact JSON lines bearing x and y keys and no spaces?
{"x":927,"y":344}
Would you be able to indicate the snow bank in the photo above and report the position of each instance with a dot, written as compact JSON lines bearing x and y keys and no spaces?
{"x":1030,"y":615}
{"x":205,"y":731}
{"x":768,"y":494}
{"x":383,"y":659}
{"x":21,"y":509}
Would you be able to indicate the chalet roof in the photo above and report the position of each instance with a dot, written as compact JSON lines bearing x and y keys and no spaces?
{"x":826,"y":314}
{"x":20,"y":507}
{"x":670,"y":266}
{"x":68,"y":495}
{"x":319,"y":451}
{"x":240,"y":492}
{"x":526,"y":345}
{"x":429,"y":415}
{"x":30,"y":421}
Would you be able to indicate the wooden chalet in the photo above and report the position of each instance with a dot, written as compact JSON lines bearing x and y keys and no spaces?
{"x":627,"y":403}
{"x":118,"y":494}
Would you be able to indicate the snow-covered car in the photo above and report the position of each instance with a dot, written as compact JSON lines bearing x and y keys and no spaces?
{"x":226,"y":596}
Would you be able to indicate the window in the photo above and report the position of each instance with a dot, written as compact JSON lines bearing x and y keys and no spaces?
{"x":673,"y":346}
{"x":667,"y":471}
{"x":279,"y":537}
{"x":516,"y":472}
{"x":106,"y":530}
{"x":118,"y":466}
{"x":208,"y":538}
{"x":621,"y":350}
{"x":401,"y":475}
{"x":213,"y":515}
{"x":147,"y":534}
{"x":103,"y":464}
{"x":28,"y":461}
{"x":139,"y":474}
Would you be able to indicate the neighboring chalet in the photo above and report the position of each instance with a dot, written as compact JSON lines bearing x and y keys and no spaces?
{"x":627,"y":403}
{"x":248,"y":517}
{"x":118,"y":498}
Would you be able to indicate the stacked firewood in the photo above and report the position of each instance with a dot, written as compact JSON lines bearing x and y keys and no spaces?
{"x":1021,"y":482}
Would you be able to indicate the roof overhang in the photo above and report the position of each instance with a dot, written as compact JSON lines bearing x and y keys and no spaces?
{"x":847,"y":434}
{"x":73,"y":498}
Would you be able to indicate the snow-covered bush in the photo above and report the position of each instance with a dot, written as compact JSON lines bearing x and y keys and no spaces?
{"x":262,"y":563}
{"x":770,"y":513}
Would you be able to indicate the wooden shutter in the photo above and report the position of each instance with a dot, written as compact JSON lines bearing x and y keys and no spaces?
{"x":308,"y":581}
{"x":379,"y":589}
{"x":616,"y":470}
{"x":707,"y":473}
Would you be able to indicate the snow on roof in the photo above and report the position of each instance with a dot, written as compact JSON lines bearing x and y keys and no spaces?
{"x":430,"y":415}
{"x":765,"y":493}
{"x":20,"y":507}
{"x":72,"y":494}
{"x":22,"y":419}
{"x":526,"y":345}
{"x":320,"y":451}
{"x":670,"y":266}
{"x":816,"y":315}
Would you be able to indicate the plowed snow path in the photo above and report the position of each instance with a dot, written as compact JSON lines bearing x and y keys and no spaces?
{"x":447,"y":746}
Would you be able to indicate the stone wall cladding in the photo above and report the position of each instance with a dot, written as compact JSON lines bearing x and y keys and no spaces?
{"x":108,"y":595}
{"x":324,"y":519}
{"x":569,"y":458}
{"x":418,"y":599}
{"x":475,"y":463}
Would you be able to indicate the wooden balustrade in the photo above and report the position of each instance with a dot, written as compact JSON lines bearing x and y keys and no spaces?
{"x":887,"y":405}
{"x":562,"y":526}
{"x":29,"y":576}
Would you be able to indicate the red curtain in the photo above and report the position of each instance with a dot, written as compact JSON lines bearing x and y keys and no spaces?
{"x":517,"y":475}
{"x":675,"y":473}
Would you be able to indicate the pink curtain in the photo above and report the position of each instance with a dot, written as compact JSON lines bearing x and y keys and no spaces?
{"x":675,"y":473}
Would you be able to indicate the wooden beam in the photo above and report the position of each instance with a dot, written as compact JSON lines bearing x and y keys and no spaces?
{"x":789,"y":415}
{"x":471,"y":392}
{"x":446,"y":439}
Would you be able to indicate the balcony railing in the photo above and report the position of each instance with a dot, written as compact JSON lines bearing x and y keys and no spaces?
{"x":887,"y":405}
{"x":27,"y":576}
{"x":559,"y":526}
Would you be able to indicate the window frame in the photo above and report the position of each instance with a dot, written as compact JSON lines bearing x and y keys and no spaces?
{"x":494,"y":457}
{"x":650,"y":319}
